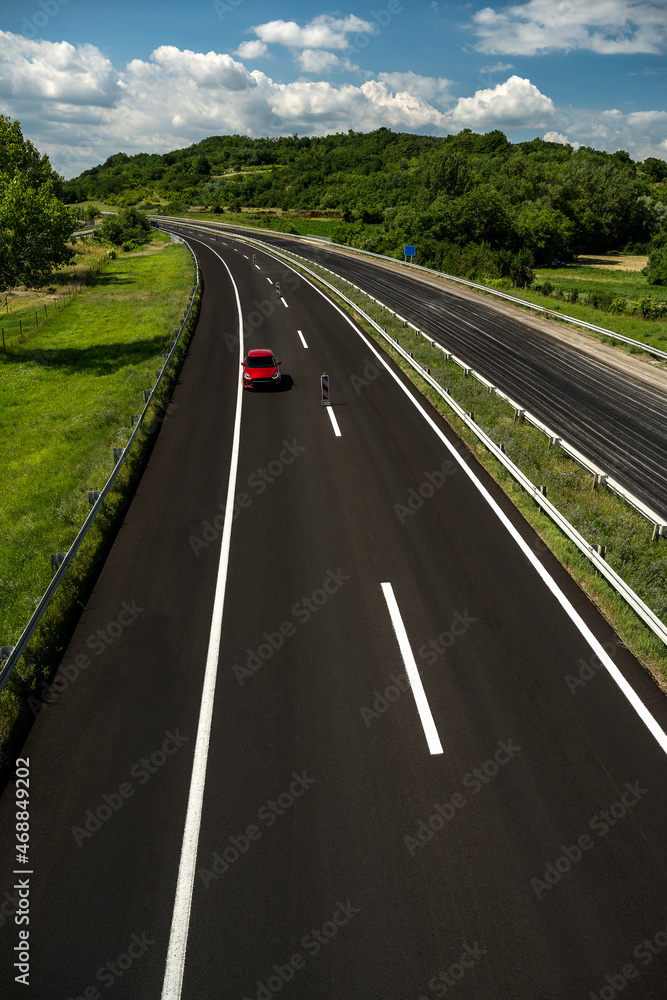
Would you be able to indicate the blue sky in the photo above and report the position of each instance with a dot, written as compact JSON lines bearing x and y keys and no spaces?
{"x":87,"y":78}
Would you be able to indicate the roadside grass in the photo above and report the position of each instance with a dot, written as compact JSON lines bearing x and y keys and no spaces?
{"x":301,"y":223}
{"x":628,"y":285}
{"x":620,"y":286}
{"x":25,"y":310}
{"x":67,"y":394}
{"x":599,"y":515}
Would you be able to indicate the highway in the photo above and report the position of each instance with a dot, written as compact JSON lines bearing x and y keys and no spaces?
{"x":617,"y":417}
{"x":334,"y":724}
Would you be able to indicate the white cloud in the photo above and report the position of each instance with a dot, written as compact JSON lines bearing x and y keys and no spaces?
{"x":497,"y":68}
{"x":603,"y":26}
{"x":36,"y":71}
{"x":253,"y":49}
{"x":563,"y":139}
{"x":641,"y":133}
{"x":75,"y":106}
{"x":210,"y":70}
{"x":178,"y":97}
{"x":323,"y":32}
{"x":429,"y":88}
{"x":321,"y":61}
{"x":517,"y":102}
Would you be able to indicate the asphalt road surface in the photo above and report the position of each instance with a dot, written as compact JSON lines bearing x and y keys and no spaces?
{"x":617,"y":418}
{"x":235,"y":790}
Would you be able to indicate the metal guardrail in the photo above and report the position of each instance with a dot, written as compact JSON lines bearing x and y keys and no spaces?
{"x":645,"y":613}
{"x":642,"y":508}
{"x":15,"y":652}
{"x":662,"y":355}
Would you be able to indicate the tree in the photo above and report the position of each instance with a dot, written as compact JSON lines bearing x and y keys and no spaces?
{"x":654,"y":169}
{"x":34,"y":223}
{"x":656,"y":268}
{"x":129,"y":225}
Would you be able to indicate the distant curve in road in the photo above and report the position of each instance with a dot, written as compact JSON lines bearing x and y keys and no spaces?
{"x":617,"y":420}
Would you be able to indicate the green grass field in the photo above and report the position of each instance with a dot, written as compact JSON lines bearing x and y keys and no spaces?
{"x":621,"y":286}
{"x":66,"y":396}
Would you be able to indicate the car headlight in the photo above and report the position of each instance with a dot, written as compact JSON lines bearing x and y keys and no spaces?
{"x":276,"y":375}
{"x":247,"y":375}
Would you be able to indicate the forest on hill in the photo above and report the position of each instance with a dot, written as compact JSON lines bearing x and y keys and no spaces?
{"x":474,"y":204}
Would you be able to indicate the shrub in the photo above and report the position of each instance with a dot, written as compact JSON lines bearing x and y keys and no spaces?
{"x":129,"y":224}
{"x":651,"y":308}
{"x":656,"y":268}
{"x":600,"y":299}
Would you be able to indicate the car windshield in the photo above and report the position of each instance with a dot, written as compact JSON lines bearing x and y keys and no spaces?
{"x":263,"y":361}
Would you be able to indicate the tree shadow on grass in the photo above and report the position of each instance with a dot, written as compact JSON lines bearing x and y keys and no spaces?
{"x":99,"y":359}
{"x":115,"y":278}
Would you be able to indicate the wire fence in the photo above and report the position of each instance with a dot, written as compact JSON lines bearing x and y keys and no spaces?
{"x":10,"y":655}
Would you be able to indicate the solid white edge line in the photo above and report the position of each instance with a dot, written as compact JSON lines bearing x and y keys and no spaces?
{"x":334,"y":422}
{"x":626,"y":688}
{"x":180,"y":924}
{"x":423,"y":707}
{"x":303,"y":339}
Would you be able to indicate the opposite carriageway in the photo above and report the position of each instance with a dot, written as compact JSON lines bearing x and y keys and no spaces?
{"x":613,"y":410}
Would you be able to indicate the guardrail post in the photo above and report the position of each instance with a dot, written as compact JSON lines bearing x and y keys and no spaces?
{"x":147,"y":394}
{"x":93,"y":496}
{"x":599,"y":479}
{"x":519,"y":413}
{"x":134,"y":419}
{"x":57,"y":558}
{"x":117,"y":455}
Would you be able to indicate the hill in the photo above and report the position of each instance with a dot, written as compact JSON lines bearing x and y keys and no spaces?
{"x":475,"y":204}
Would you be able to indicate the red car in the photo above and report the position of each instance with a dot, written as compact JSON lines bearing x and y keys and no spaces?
{"x":260,"y":369}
